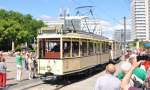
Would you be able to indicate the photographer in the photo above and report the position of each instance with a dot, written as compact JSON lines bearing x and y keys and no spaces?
{"x":146,"y":60}
{"x":125,"y":84}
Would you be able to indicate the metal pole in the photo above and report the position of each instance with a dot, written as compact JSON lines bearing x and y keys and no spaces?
{"x":124,"y":34}
{"x":64,"y":19}
{"x":122,"y":39}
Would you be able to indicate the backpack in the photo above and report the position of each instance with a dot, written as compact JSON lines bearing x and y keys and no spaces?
{"x":138,"y":84}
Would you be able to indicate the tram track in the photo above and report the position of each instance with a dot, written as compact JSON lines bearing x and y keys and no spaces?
{"x":68,"y":80}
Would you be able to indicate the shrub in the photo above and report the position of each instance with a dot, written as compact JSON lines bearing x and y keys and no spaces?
{"x":18,"y":48}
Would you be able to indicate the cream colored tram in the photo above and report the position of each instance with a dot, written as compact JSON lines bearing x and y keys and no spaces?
{"x":62,"y":54}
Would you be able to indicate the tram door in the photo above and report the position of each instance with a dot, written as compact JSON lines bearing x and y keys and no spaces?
{"x":41,"y":48}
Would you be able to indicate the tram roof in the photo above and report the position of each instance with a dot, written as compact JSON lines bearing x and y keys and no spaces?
{"x":74,"y":35}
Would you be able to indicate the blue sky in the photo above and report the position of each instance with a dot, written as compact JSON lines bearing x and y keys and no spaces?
{"x":110,"y":10}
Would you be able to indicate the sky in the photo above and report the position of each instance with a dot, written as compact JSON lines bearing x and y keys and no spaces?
{"x":109,"y":11}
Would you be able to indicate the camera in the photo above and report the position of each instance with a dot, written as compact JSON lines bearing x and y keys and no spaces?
{"x":143,"y":57}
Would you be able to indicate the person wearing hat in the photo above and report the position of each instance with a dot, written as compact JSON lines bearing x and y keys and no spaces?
{"x":138,"y":77}
{"x":134,"y":79}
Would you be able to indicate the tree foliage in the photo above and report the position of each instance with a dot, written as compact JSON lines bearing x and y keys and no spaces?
{"x":17,"y":27}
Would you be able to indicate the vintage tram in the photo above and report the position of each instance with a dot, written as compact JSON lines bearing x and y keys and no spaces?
{"x":62,"y":52}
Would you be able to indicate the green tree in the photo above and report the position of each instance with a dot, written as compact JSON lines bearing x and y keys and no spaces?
{"x":17,"y":27}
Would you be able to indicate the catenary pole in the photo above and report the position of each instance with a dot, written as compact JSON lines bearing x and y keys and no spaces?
{"x":124,"y":34}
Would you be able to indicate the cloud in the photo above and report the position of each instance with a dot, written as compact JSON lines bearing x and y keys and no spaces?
{"x":44,"y":17}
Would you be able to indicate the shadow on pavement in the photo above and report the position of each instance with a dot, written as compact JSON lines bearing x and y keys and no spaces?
{"x":70,"y":79}
{"x":11,"y":84}
{"x":10,"y":78}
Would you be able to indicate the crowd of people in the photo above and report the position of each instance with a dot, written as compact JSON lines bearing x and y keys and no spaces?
{"x":134,"y":74}
{"x":24,"y":60}
{"x":28,"y":61}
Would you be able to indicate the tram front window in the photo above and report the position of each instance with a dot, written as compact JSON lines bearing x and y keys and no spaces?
{"x":50,"y":49}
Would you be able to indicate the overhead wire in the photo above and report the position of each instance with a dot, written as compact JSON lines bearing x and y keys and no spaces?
{"x":116,"y":20}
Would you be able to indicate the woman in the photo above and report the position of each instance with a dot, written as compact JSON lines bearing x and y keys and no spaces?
{"x":2,"y":71}
{"x":30,"y":65}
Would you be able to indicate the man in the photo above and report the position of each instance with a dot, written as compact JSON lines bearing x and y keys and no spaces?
{"x":108,"y":81}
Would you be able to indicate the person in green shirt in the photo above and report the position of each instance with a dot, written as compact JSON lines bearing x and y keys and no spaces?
{"x":19,"y":66}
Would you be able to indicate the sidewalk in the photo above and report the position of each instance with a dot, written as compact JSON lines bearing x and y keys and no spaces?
{"x":12,"y":83}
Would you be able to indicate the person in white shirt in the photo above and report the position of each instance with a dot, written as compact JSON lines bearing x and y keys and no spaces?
{"x":108,"y":81}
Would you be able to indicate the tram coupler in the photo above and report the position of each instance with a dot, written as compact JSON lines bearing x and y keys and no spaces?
{"x":46,"y":76}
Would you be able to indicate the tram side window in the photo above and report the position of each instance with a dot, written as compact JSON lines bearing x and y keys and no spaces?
{"x":75,"y":49}
{"x":90,"y":48}
{"x":108,"y":47}
{"x":66,"y":48}
{"x":83,"y":48}
{"x":103,"y":47}
{"x":98,"y":48}
{"x":95,"y":48}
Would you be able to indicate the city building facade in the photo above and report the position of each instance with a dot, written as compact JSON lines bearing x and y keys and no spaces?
{"x":119,"y":35}
{"x":140,"y":19}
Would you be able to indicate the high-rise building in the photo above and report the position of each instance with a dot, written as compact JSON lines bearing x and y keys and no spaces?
{"x":119,"y":35}
{"x":141,"y":19}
